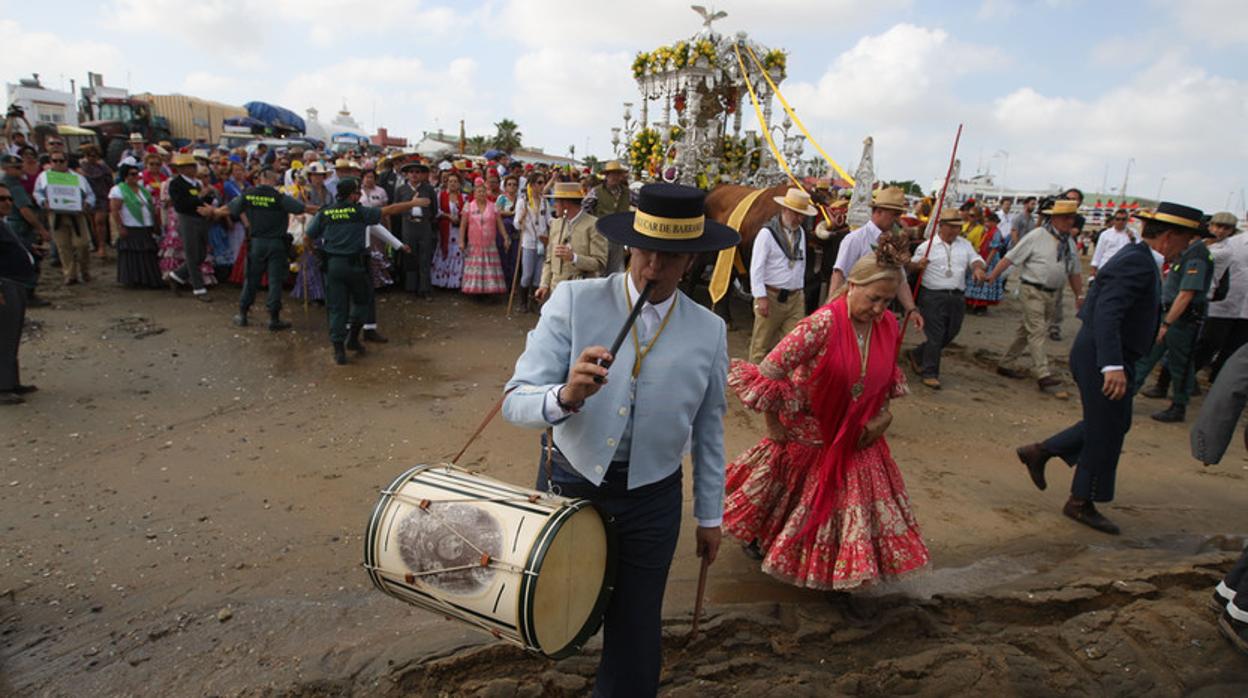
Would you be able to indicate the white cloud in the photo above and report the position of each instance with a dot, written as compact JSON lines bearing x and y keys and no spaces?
{"x":1172,"y":118}
{"x":635,"y":25}
{"x":559,"y":90}
{"x":893,"y":77}
{"x":1220,"y":22}
{"x":404,"y":93}
{"x":25,"y":52}
{"x":208,"y":85}
{"x":233,"y":32}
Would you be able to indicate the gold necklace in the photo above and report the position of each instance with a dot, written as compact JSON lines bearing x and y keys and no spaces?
{"x":864,"y":352}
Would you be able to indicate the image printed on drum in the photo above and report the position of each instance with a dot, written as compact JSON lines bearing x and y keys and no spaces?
{"x":428,"y":541}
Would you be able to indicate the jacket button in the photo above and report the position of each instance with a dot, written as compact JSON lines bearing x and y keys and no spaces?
{"x":623,"y":411}
{"x":597,"y":468}
{"x":610,"y":442}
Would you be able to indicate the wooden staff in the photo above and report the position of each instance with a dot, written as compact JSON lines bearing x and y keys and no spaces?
{"x":515,"y":276}
{"x":697,"y":604}
{"x":940,"y":202}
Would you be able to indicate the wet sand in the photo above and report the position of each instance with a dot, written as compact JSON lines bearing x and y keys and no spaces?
{"x":184,"y":505}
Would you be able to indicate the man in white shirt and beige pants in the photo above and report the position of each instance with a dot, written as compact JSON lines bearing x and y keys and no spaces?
{"x":778,"y":272}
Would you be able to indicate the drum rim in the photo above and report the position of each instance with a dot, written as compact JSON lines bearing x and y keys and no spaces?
{"x":532,"y":568}
{"x":370,"y":531}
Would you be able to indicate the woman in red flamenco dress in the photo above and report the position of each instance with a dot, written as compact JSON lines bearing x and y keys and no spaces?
{"x":820,"y":498}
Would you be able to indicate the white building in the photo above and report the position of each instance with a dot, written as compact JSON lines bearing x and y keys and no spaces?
{"x":41,"y":105}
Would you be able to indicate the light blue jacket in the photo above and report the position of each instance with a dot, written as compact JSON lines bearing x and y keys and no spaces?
{"x":680,"y":398}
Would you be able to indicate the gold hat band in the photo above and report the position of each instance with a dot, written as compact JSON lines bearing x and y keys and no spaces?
{"x":1167,"y":218}
{"x":668,"y":228}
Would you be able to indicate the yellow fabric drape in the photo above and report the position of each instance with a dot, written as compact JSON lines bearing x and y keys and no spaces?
{"x":793,"y":115}
{"x":731,"y":257}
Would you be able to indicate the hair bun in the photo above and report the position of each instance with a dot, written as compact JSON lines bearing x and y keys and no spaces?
{"x":890,"y":249}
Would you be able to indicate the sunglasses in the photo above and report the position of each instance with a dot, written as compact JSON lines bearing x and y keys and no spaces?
{"x":55,"y":160}
{"x":6,"y":198}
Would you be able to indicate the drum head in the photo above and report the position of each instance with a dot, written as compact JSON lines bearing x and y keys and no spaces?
{"x":573,"y":584}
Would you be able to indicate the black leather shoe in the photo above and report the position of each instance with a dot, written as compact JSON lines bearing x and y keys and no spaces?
{"x":241,"y":319}
{"x":1011,"y":373}
{"x":353,"y":340}
{"x":374,"y":336}
{"x":340,"y":354}
{"x":11,"y":398}
{"x":1156,"y":392}
{"x":1217,"y":603}
{"x":33,"y":301}
{"x":277,"y":324}
{"x":25,"y":389}
{"x":1087,"y":515}
{"x":1035,"y":458}
{"x":1235,"y":631}
{"x":1172,"y":415}
{"x":752,"y":551}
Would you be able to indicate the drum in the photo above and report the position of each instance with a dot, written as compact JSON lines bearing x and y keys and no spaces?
{"x":530,"y":568}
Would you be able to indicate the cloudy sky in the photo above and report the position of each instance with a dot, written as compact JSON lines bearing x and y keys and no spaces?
{"x":1067,"y":89}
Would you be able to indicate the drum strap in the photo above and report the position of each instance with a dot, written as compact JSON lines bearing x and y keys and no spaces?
{"x":489,"y":417}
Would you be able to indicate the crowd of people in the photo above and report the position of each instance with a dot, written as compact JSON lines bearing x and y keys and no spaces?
{"x":819,"y":501}
{"x":173,"y":217}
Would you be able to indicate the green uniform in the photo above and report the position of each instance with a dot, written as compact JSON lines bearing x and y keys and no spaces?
{"x":347,"y":283}
{"x":268,"y":211}
{"x":21,"y":200}
{"x":18,"y":225}
{"x":1194,"y":272}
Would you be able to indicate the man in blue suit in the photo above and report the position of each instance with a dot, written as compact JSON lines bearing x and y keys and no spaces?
{"x":1120,"y":318}
{"x":620,"y":435}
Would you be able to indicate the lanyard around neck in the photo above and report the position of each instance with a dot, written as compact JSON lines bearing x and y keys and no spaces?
{"x":641,"y":353}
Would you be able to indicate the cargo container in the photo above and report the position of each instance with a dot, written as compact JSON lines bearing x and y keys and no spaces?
{"x":191,"y":118}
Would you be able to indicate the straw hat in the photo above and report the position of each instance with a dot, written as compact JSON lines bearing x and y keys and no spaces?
{"x":345,"y":164}
{"x":183,"y":159}
{"x":1068,"y":207}
{"x":317,"y":167}
{"x":669,"y":218}
{"x":796,"y":200}
{"x":567,"y":191}
{"x":950,"y":215}
{"x":137,"y":138}
{"x":892,"y":199}
{"x":614,"y":166}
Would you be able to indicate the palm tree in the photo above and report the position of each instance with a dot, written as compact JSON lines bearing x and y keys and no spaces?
{"x":508,"y":138}
{"x":475,"y":145}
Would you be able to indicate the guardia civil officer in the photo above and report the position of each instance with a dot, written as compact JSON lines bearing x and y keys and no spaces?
{"x":347,"y":284}
{"x":268,"y":248}
{"x":1185,"y":298}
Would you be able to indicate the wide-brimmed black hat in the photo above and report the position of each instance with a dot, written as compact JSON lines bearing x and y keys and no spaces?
{"x":669,"y":218}
{"x":414,"y":165}
{"x":1177,"y":215}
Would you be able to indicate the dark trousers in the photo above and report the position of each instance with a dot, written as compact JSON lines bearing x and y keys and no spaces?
{"x":348,"y":288}
{"x":1177,"y":347}
{"x":942,"y":312}
{"x":265,"y":255}
{"x":1219,"y":338}
{"x":814,"y":293}
{"x":1235,"y":589}
{"x":12,"y":319}
{"x":1094,"y":444}
{"x":418,"y":264}
{"x":194,"y":233}
{"x":647,"y":525}
{"x":370,"y":310}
